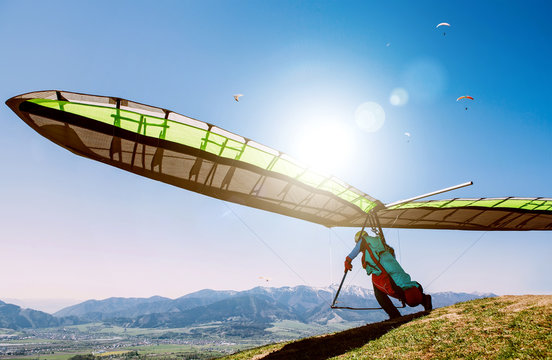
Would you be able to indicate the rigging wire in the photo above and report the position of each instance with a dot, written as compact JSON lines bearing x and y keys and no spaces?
{"x":272,"y":250}
{"x":265,"y":243}
{"x":399,"y":241}
{"x":340,"y":239}
{"x":330,"y":246}
{"x":398,"y":237}
{"x":458,"y":258}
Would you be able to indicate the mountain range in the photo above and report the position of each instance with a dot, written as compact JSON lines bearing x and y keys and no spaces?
{"x":258,"y":307}
{"x":15,"y":317}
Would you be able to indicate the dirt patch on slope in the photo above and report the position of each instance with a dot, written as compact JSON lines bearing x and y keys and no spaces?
{"x":327,"y":346}
{"x":522,"y":302}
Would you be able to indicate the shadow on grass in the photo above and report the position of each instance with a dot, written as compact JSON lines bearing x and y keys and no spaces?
{"x":327,"y":346}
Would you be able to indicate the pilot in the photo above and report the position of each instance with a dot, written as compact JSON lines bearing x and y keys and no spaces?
{"x":388,"y":277}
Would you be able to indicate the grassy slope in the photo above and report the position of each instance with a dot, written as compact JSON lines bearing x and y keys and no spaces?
{"x":506,"y":327}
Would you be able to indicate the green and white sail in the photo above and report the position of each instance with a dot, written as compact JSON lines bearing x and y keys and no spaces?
{"x":188,"y":153}
{"x":166,"y":146}
{"x":487,"y":214}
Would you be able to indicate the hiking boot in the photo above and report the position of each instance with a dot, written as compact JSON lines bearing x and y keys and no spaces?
{"x":426,"y":302}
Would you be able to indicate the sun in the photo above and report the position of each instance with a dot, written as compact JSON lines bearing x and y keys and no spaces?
{"x":326,"y":146}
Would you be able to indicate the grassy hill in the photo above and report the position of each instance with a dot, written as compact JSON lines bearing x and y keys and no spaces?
{"x":505,"y":327}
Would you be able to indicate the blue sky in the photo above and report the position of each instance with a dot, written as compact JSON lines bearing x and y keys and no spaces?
{"x":78,"y":229}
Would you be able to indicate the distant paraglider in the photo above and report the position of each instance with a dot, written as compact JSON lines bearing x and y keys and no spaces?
{"x":442,"y":24}
{"x":465,"y":97}
{"x":237,"y":97}
{"x":407,"y":134}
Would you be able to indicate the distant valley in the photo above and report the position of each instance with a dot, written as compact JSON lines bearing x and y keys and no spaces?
{"x":256,"y":308}
{"x":204,"y":324}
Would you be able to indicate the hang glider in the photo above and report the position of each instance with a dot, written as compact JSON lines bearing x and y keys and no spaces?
{"x":471,"y":214}
{"x":178,"y":150}
{"x":188,"y":153}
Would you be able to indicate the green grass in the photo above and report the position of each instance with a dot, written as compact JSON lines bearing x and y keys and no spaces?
{"x":100,"y":328}
{"x":58,"y":356}
{"x":251,"y":353}
{"x":5,"y":332}
{"x":148,"y":351}
{"x":162,"y":349}
{"x":509,"y":327}
{"x":85,"y":327}
{"x":495,"y":328}
{"x":29,"y":341}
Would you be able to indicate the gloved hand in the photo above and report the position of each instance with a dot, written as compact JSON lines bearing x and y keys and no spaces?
{"x":348,"y":265}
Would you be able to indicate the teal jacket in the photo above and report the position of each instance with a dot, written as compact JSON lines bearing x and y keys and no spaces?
{"x":385,"y":258}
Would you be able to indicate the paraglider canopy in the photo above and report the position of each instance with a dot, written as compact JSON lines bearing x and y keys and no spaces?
{"x":465,"y":97}
{"x":442,"y":24}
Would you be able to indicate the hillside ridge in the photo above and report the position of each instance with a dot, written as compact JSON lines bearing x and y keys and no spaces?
{"x":511,"y":326}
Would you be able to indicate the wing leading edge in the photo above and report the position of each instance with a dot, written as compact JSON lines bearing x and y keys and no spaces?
{"x":163,"y":145}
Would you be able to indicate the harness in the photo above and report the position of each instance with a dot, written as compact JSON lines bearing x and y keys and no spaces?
{"x":396,"y":291}
{"x":376,"y":228}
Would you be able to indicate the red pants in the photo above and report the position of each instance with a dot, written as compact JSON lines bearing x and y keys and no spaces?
{"x":412,"y":296}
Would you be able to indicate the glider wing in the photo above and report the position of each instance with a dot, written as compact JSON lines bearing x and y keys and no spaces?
{"x":485,"y":214}
{"x":197,"y":156}
{"x":191,"y":154}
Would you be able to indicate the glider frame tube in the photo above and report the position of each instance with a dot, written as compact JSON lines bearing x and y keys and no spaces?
{"x":355,"y":308}
{"x":400,"y":202}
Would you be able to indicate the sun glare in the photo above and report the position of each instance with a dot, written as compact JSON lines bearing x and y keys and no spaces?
{"x":326,"y":147}
{"x":370,"y":116}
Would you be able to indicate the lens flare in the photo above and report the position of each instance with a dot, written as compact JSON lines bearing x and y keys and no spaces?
{"x":398,"y":97}
{"x":370,"y":116}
